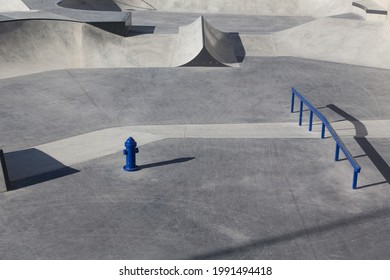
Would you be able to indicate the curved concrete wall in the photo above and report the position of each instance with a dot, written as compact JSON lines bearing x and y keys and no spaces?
{"x":189,"y":48}
{"x":219,"y":44}
{"x":316,"y":8}
{"x":31,"y":46}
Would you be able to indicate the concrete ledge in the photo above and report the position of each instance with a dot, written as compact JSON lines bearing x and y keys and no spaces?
{"x":4,"y":180}
{"x":370,"y":7}
{"x":370,"y":10}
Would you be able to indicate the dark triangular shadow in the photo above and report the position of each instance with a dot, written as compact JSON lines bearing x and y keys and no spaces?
{"x":367,"y":147}
{"x":32,"y":166}
{"x":204,"y":59}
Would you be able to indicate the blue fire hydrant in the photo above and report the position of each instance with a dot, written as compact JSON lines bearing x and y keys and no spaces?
{"x":131,"y":150}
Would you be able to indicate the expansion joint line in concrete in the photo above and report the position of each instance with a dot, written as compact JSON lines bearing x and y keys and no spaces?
{"x":88,"y":96}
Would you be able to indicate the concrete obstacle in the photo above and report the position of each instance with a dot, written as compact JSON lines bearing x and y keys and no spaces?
{"x":200,"y":44}
{"x":4,"y":180}
{"x":32,"y":46}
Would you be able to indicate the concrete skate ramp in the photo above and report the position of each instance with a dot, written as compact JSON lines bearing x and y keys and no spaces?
{"x":200,"y":44}
{"x":32,"y":46}
{"x":97,"y":5}
{"x":197,"y":44}
{"x":12,"y":6}
{"x":315,"y":8}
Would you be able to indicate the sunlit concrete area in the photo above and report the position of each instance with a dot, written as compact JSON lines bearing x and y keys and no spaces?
{"x":225,"y":171}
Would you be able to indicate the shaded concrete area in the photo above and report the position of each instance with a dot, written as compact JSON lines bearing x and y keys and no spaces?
{"x":361,"y":139}
{"x":48,"y":9}
{"x":116,"y":22}
{"x":32,"y":166}
{"x":53,"y":6}
{"x":4,"y":179}
{"x":235,"y":199}
{"x":101,"y":5}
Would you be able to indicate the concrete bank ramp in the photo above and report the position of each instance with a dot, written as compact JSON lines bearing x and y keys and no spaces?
{"x":12,"y":6}
{"x":200,"y":44}
{"x":32,"y":46}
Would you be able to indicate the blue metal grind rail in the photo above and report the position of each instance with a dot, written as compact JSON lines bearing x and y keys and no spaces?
{"x":325,"y":124}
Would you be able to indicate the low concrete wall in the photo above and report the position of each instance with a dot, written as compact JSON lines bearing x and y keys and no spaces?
{"x":4,"y":180}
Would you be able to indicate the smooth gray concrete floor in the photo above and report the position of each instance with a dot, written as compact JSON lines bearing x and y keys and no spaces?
{"x":41,"y":108}
{"x":195,"y":198}
{"x":202,"y":199}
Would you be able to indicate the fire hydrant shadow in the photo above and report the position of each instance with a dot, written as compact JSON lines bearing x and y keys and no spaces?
{"x":167,"y":162}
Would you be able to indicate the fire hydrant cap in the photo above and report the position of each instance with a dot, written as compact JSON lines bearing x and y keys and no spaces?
{"x":130,"y":142}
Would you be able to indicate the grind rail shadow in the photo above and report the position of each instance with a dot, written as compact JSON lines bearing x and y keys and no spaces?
{"x":325,"y":124}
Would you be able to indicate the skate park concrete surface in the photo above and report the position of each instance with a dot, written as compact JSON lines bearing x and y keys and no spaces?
{"x":204,"y":87}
